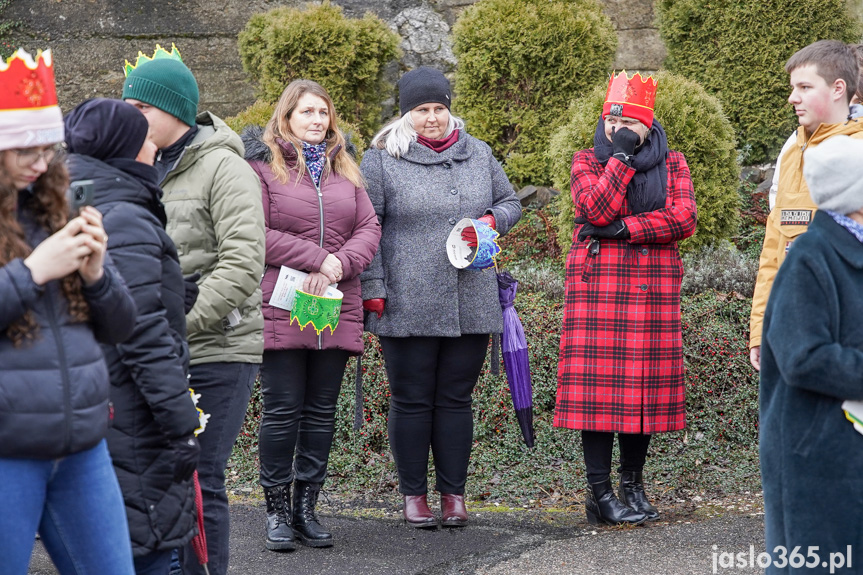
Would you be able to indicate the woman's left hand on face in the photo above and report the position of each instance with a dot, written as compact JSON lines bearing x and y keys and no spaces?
{"x":316,"y":283}
{"x":92,"y":269}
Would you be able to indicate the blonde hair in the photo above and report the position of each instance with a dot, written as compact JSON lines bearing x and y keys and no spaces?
{"x":279,"y":127}
{"x":396,"y":137}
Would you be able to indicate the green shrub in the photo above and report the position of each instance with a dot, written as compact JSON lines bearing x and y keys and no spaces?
{"x":259,"y":113}
{"x":737,"y":50}
{"x":720,"y":267}
{"x":755,"y":207}
{"x":347,"y":56}
{"x":718,"y":451}
{"x":531,"y":252}
{"x":7,"y":48}
{"x":519,"y":64}
{"x":696,"y":127}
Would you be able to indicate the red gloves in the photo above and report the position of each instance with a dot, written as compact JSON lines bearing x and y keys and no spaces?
{"x":469,"y":234}
{"x":375,"y":305}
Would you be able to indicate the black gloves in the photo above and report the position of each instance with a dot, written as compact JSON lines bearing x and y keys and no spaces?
{"x":191,"y":295}
{"x":616,"y":230}
{"x":623,"y":143}
{"x":186,"y":452}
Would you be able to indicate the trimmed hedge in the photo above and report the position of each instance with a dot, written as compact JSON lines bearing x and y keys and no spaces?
{"x":347,"y":56}
{"x":7,"y":47}
{"x":519,"y":64}
{"x":696,"y":126}
{"x":737,"y":50}
{"x":258,"y":114}
{"x":717,"y":452}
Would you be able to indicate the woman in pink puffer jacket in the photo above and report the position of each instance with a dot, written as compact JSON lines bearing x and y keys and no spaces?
{"x":319,"y":220}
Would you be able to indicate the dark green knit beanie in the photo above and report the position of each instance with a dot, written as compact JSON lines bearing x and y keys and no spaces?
{"x":166,"y":84}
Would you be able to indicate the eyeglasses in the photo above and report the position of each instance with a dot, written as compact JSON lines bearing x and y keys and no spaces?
{"x":29,"y":156}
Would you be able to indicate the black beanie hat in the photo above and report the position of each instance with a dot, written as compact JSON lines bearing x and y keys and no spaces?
{"x":105,"y":129}
{"x":423,"y":86}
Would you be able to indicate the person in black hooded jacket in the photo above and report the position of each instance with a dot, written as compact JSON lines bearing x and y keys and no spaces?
{"x":152,"y":442}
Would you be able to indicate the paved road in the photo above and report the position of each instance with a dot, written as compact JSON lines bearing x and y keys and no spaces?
{"x":521,"y":543}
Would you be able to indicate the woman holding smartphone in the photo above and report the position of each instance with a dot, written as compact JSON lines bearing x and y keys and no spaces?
{"x":59,"y":298}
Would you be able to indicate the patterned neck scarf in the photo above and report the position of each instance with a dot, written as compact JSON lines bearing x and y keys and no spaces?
{"x":315,"y":157}
{"x":852,"y":226}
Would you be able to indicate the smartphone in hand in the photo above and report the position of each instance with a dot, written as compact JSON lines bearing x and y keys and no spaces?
{"x":79,"y":194}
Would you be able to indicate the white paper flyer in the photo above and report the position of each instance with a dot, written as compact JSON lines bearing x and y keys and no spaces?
{"x":291,"y":280}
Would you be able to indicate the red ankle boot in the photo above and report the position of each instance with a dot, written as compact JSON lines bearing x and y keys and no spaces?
{"x":417,"y":512}
{"x":453,"y":512}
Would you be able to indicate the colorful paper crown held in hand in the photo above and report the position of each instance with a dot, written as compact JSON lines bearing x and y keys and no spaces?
{"x":320,"y":311}
{"x":631,"y":97}
{"x":160,"y":53}
{"x":464,"y":256}
{"x":29,"y":114}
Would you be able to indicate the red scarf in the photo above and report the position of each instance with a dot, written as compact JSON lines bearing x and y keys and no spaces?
{"x":439,"y":145}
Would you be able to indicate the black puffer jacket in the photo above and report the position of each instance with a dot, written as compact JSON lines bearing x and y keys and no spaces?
{"x":54,"y":392}
{"x":149,"y":389}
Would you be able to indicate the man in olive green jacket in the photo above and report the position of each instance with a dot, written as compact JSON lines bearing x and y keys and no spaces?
{"x":215,"y":217}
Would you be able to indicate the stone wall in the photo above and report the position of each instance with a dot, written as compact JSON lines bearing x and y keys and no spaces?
{"x":92,"y":38}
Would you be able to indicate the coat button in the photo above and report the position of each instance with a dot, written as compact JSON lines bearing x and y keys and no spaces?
{"x":643,"y":287}
{"x":453,"y":191}
{"x":452,"y":221}
{"x":644,"y":251}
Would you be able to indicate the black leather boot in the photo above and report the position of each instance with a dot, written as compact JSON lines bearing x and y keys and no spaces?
{"x":280,"y":536}
{"x":305,"y":521}
{"x":602,"y":506}
{"x":632,"y":493}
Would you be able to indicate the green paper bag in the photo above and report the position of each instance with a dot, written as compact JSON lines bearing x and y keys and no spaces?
{"x":320,"y":311}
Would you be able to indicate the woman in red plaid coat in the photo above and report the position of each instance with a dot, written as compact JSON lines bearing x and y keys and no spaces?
{"x":621,"y":358}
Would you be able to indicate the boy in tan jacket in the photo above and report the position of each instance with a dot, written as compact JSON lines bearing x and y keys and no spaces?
{"x":824,"y":78}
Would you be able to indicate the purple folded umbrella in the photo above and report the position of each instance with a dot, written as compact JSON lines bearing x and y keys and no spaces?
{"x":515,"y":358}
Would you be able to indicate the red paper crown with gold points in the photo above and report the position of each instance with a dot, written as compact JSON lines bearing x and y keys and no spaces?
{"x":631,"y":97}
{"x":160,"y":52}
{"x":29,"y":114}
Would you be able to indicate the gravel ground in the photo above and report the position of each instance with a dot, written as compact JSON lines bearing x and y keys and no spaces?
{"x":371,"y":539}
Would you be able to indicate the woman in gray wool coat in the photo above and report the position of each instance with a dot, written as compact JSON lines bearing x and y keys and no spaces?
{"x":424,"y":173}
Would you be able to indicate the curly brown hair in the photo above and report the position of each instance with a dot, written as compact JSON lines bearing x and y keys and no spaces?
{"x":48,"y":204}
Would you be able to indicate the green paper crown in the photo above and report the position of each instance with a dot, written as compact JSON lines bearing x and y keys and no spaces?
{"x":160,"y":52}
{"x":321,"y":312}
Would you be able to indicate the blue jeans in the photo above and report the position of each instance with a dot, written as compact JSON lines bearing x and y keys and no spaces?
{"x":76,"y":506}
{"x":225,"y":390}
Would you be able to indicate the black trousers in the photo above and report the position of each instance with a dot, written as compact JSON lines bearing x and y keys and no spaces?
{"x":431,"y":382}
{"x":225,"y":389}
{"x":597,"y":447}
{"x":300,"y":388}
